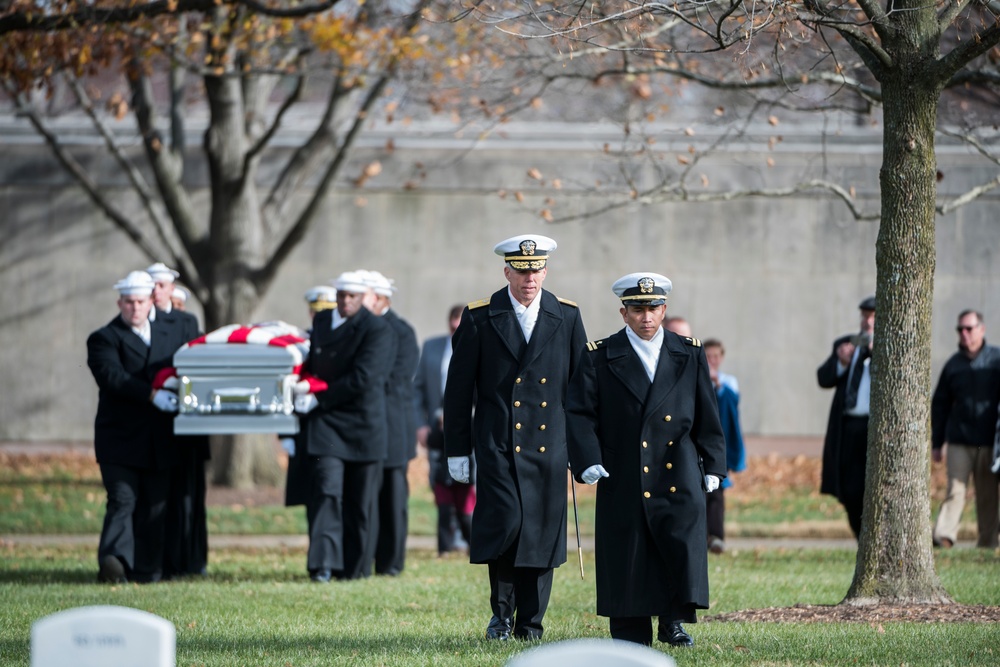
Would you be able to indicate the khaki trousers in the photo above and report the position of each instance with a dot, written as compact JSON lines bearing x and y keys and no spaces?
{"x":962,"y":462}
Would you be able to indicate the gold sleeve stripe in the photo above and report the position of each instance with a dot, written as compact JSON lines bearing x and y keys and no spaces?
{"x":478,"y":304}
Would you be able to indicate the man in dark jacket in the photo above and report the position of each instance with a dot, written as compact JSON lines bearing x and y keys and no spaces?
{"x":964,"y":414}
{"x":352,"y":350}
{"x":513,"y":356}
{"x":643,"y":421}
{"x":845,"y":449}
{"x":394,"y":494}
{"x":133,"y":433}
{"x":186,"y":549}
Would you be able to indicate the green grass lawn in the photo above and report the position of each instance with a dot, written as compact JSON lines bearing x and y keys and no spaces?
{"x":257,"y":608}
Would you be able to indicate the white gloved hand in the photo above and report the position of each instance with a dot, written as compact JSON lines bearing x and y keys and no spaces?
{"x":288,"y":444}
{"x":711,"y":483}
{"x":301,"y":388}
{"x":305,"y":403}
{"x":458,"y":468}
{"x":593,"y":474}
{"x":165,"y":401}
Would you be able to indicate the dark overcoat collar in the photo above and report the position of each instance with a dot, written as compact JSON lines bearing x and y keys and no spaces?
{"x":504,"y":322}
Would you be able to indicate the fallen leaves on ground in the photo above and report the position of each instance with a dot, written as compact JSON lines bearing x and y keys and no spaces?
{"x":871,"y":614}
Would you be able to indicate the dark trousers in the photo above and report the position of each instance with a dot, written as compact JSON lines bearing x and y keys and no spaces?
{"x":637,"y":629}
{"x":853,"y":461}
{"x":135,"y":519}
{"x":715,"y":505}
{"x":520,"y":594}
{"x":340,"y":515}
{"x":393,"y":520}
{"x":186,"y":549}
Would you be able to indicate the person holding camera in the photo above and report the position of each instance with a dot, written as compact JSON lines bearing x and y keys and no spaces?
{"x":845,"y":450}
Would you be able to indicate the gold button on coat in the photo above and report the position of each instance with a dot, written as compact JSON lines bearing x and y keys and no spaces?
{"x":518,"y":448}
{"x":542,"y":427}
{"x":517,"y":426}
{"x":670,"y":444}
{"x":672,"y":489}
{"x":645,"y":444}
{"x":670,"y":466}
{"x":542,"y":381}
{"x":545,"y":404}
{"x":541,"y":449}
{"x":645,"y":468}
{"x":517,"y":404}
{"x":667,"y":418}
{"x":517,"y":381}
{"x":646,"y":494}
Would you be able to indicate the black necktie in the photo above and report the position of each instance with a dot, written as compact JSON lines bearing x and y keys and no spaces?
{"x":854,"y":381}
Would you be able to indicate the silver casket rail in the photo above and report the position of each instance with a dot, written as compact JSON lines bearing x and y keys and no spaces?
{"x":236,"y":388}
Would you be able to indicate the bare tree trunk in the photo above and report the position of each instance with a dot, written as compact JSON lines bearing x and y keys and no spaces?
{"x":235,"y":253}
{"x":895,"y":561}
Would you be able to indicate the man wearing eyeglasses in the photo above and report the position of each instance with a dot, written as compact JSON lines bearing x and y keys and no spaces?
{"x":964,"y":414}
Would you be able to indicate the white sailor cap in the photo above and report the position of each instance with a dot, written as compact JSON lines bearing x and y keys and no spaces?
{"x":180,"y":293}
{"x":526,"y":252}
{"x":162,"y":273}
{"x":354,"y":282}
{"x":379,"y":283}
{"x":642,"y":289}
{"x":136,"y":282}
{"x":321,"y":297}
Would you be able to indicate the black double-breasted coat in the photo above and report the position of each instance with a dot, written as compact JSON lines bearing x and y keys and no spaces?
{"x":657,"y":441}
{"x":128,"y":429}
{"x":354,"y":360}
{"x":505,"y":399}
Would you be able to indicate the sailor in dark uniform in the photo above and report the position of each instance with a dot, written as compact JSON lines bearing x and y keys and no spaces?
{"x":352,"y":350}
{"x":133,"y":433}
{"x":392,"y":516}
{"x":504,"y":400}
{"x":643,"y":421}
{"x":186,"y":549}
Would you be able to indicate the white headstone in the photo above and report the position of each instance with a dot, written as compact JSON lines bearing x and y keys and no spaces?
{"x":591,"y":653}
{"x":103,"y":636}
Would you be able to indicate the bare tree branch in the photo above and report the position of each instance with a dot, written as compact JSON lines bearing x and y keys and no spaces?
{"x":82,"y":177}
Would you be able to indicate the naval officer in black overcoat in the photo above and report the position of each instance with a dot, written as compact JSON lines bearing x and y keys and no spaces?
{"x":504,"y":400}
{"x":133,"y":433}
{"x":351,"y":349}
{"x":643,"y":421}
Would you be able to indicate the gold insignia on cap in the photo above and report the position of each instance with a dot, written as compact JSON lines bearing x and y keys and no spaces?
{"x":524,"y":265}
{"x":646,"y":285}
{"x":528,"y":247}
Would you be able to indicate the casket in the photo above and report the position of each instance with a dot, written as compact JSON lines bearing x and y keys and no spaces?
{"x":226,"y":387}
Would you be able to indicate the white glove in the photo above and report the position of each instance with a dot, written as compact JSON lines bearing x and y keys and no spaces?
{"x":305,"y":403}
{"x":458,"y":468}
{"x":593,"y":474}
{"x":165,"y":401}
{"x":300,"y":388}
{"x":288,"y":444}
{"x":711,"y":483}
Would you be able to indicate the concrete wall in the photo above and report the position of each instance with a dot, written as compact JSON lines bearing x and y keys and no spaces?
{"x":776,"y":280}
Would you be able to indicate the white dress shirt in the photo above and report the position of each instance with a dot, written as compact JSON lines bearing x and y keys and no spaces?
{"x":526,"y":315}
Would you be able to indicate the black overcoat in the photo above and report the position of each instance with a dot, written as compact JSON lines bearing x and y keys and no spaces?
{"x":399,"y":394}
{"x":657,"y":441}
{"x":354,"y":359}
{"x":826,"y":376}
{"x":517,"y":391}
{"x":128,"y":429}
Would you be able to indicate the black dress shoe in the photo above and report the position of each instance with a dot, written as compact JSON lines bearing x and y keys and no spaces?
{"x":674,"y":635}
{"x":111,"y":571}
{"x":321,"y":576}
{"x":499,"y":628}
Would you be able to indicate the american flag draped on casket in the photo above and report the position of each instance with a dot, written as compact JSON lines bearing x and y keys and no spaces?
{"x":241,"y":379}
